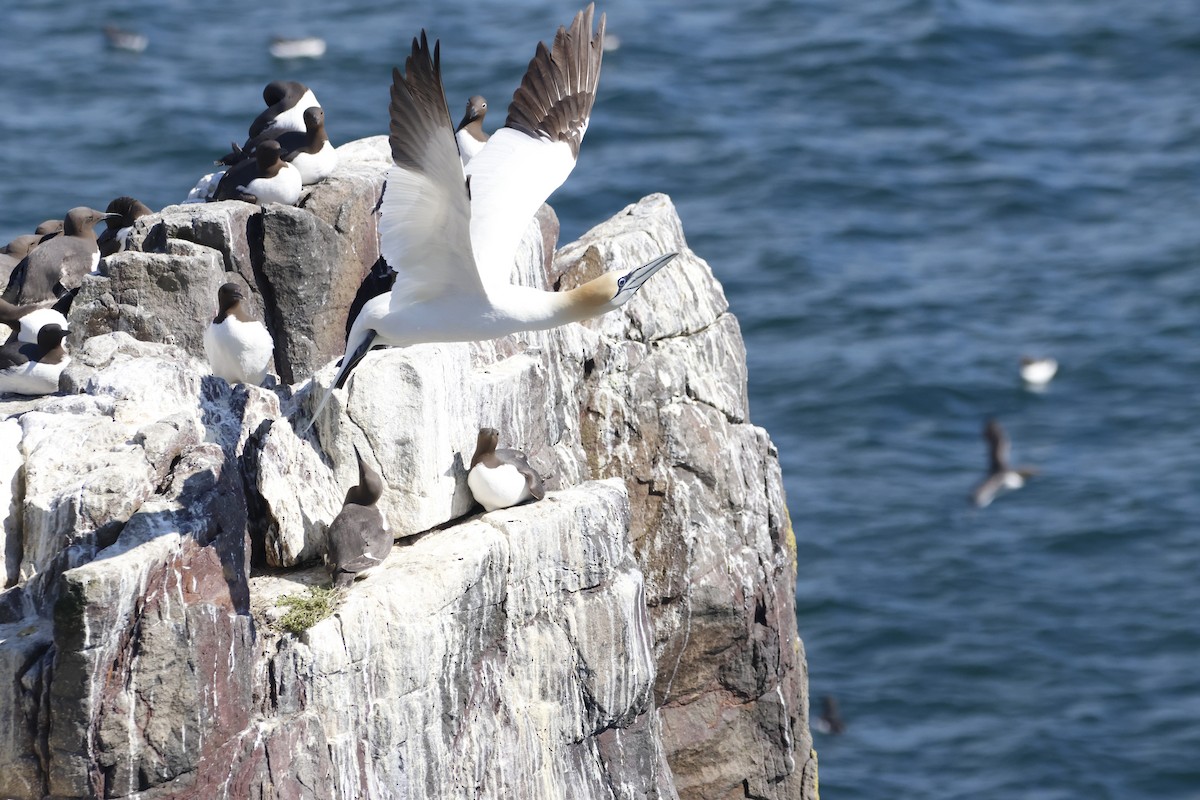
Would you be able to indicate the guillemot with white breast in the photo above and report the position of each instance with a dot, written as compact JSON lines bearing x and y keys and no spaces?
{"x":266,"y":178}
{"x":34,"y":369}
{"x":1001,"y":477}
{"x":501,"y":478}
{"x":286,"y":103}
{"x":238,"y":346}
{"x":126,"y":211}
{"x":452,"y":235}
{"x":469,"y":134}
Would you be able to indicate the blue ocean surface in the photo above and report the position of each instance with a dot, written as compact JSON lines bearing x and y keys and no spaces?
{"x":902,"y":198}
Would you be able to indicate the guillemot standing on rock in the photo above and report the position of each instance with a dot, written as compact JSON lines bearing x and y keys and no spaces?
{"x":12,"y":253}
{"x":60,"y":264}
{"x":266,"y":178}
{"x":1001,"y":477}
{"x":358,"y":538}
{"x":48,"y":227}
{"x":238,"y":346}
{"x":501,"y":478}
{"x":34,"y":369}
{"x":469,"y":133}
{"x":452,"y":237}
{"x":127,"y":211}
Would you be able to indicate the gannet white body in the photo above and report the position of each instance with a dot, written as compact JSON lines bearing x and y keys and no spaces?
{"x":452,"y":235}
{"x":1001,"y":477}
{"x":238,"y":347}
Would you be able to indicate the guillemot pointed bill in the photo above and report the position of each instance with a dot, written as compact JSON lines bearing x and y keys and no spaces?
{"x":34,"y":369}
{"x":469,"y":134}
{"x":59,"y":265}
{"x":452,"y":278}
{"x":238,"y":346}
{"x":358,"y":538}
{"x":1001,"y":477}
{"x":126,"y":211}
{"x":501,"y":478}
{"x":265,"y":179}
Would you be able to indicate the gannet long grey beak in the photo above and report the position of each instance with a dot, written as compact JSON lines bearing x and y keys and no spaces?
{"x":453,"y":243}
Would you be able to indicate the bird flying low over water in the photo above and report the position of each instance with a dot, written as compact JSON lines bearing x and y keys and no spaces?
{"x":451,"y":235}
{"x":501,"y":478}
{"x":1001,"y":477}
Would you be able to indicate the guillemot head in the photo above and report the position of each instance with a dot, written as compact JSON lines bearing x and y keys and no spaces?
{"x":476,"y":111}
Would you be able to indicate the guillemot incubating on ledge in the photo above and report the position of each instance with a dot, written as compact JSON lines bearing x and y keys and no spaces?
{"x":286,"y":103}
{"x":26,"y":321}
{"x":238,"y":346}
{"x":310,"y":152}
{"x":1001,"y":477}
{"x":452,"y":278}
{"x":125,"y":211}
{"x":358,"y":536}
{"x":469,"y":133}
{"x":34,"y":369}
{"x":59,"y":264}
{"x":266,"y":178}
{"x":501,"y":478}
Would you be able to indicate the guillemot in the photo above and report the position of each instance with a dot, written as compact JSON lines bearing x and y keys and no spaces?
{"x":310,"y":152}
{"x":358,"y":538}
{"x":1037,"y":372}
{"x":266,"y":178}
{"x":60,"y":264}
{"x":501,"y":478}
{"x":302,"y":47}
{"x":452,"y":277}
{"x":127,"y":210}
{"x":26,"y":321}
{"x":12,"y":253}
{"x":238,"y":346}
{"x":286,"y":103}
{"x":1001,"y":477}
{"x":469,"y":133}
{"x":34,"y":369}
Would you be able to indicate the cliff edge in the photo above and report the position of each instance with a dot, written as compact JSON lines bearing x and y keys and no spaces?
{"x":631,"y":636}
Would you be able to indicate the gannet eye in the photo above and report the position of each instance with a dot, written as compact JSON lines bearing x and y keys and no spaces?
{"x":621,"y":282}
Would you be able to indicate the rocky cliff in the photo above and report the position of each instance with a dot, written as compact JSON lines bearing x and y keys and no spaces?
{"x":631,"y":636}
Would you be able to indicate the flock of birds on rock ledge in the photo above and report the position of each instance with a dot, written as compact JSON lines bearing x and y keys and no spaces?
{"x":455,"y":206}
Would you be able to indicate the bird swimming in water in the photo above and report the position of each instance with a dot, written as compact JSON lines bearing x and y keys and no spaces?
{"x":1037,"y":372}
{"x":238,"y":346}
{"x":303,"y":47}
{"x":1001,"y":477}
{"x":34,"y":369}
{"x":452,"y":237}
{"x":60,"y":264}
{"x":469,"y":133}
{"x":129,"y":41}
{"x":358,"y":538}
{"x":266,"y":178}
{"x":501,"y":478}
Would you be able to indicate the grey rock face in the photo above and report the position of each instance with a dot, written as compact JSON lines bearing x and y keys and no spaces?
{"x":631,"y":636}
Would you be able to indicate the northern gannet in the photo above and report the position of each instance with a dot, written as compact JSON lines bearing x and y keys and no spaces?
{"x":452,"y":234}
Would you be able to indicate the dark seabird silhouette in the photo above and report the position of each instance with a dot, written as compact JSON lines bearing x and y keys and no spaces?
{"x":127,"y":210}
{"x":469,"y":133}
{"x":501,"y":478}
{"x":34,"y":369}
{"x":830,"y":720}
{"x":358,"y":538}
{"x":1001,"y":477}
{"x":59,"y":265}
{"x":286,"y":103}
{"x":266,"y":178}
